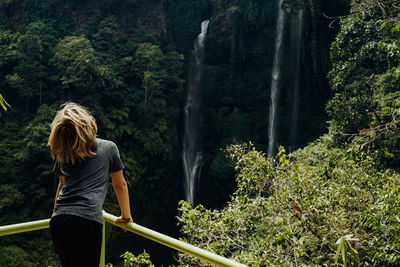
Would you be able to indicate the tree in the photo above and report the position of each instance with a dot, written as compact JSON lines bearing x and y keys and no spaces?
{"x":324,"y":205}
{"x":109,"y":35}
{"x":147,"y":64}
{"x":366,"y":57}
{"x":358,"y":62}
{"x":36,"y":180}
{"x":82,"y":77}
{"x":8,"y":59}
{"x":30,"y":77}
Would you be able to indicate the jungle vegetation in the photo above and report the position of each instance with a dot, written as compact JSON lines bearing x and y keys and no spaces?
{"x":330,"y":198}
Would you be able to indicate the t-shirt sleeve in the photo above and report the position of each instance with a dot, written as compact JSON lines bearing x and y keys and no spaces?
{"x":116,"y":162}
{"x":57,"y":168}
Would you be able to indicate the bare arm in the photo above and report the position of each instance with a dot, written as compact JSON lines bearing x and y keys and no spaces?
{"x":121,"y":190}
{"x":60,"y":185}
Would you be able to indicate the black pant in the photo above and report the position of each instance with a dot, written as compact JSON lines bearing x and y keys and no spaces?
{"x":77,"y":241}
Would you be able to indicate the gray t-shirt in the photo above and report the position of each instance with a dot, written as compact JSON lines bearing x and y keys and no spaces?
{"x":85,"y":183}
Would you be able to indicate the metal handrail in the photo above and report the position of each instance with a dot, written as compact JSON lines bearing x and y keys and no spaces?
{"x":24,"y":227}
{"x":134,"y":228}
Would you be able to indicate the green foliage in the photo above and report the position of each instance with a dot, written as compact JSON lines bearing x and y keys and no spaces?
{"x":109,"y":30}
{"x":28,"y":71}
{"x":3,"y":103}
{"x":117,"y":124}
{"x":10,"y":195}
{"x":15,"y":256}
{"x":29,"y":74}
{"x":36,"y":180}
{"x":325,"y":208}
{"x":364,"y":77}
{"x":101,"y":56}
{"x":344,"y":245}
{"x":255,"y":171}
{"x":74,"y":57}
{"x":8,"y":56}
{"x":143,"y":259}
{"x":47,"y":35}
{"x":147,"y":65}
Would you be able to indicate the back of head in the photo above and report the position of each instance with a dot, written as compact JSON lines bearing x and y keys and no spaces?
{"x":73,"y":134}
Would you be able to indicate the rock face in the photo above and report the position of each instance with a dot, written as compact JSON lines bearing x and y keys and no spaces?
{"x":153,"y":17}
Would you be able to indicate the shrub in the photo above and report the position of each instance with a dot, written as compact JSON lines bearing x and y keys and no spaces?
{"x":327,"y":206}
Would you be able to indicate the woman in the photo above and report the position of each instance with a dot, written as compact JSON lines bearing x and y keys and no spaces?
{"x":83,"y":164}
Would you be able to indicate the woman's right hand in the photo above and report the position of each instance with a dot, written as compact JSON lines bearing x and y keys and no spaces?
{"x":121,"y":219}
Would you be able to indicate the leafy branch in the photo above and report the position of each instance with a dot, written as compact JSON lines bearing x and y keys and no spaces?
{"x":4,"y":103}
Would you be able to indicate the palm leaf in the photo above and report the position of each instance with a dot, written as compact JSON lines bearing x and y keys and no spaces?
{"x":4,"y":103}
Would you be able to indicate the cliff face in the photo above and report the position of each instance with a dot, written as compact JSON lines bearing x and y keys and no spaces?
{"x":240,"y":48}
{"x":237,"y":76}
{"x":153,"y":17}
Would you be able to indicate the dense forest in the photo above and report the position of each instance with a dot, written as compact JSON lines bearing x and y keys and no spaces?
{"x":328,"y":195}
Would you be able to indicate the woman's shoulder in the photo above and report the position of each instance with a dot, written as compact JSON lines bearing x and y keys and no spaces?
{"x":103,"y":143}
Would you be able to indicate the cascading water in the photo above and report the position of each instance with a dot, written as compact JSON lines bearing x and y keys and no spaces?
{"x":296,"y":40}
{"x":275,"y":80}
{"x":192,"y":154}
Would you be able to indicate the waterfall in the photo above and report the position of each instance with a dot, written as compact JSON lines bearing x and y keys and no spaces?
{"x":275,"y":80}
{"x":296,"y":41}
{"x":192,"y":154}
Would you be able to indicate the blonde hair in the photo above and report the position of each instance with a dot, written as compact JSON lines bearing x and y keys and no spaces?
{"x":73,"y":134}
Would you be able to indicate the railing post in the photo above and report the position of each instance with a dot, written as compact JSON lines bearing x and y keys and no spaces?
{"x":103,"y":247}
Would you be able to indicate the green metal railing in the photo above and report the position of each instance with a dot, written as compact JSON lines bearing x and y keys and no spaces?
{"x":134,"y":228}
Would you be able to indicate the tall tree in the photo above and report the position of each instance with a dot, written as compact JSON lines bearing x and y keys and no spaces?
{"x":81,"y":75}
